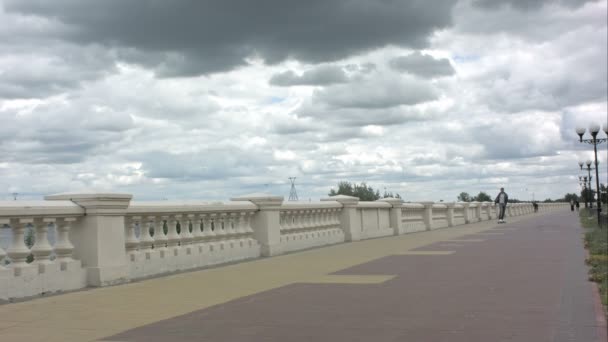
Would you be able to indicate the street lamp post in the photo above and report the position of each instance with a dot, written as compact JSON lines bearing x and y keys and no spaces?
{"x":582,"y":181}
{"x":589,"y":178}
{"x":594,"y":129}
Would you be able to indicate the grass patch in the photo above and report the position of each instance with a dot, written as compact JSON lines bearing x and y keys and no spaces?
{"x":596,"y":241}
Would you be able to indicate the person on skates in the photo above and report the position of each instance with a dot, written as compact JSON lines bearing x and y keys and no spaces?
{"x":502,"y":199}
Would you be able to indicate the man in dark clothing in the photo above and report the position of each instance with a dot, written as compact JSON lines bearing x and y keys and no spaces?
{"x":502,"y":199}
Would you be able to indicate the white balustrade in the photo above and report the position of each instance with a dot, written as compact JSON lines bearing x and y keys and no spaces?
{"x":38,"y":258}
{"x":65,"y":235}
{"x":208,"y":234}
{"x":412,"y":216}
{"x":307,"y":225}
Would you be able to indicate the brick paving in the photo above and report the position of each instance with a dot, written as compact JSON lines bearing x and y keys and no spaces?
{"x":525,"y":282}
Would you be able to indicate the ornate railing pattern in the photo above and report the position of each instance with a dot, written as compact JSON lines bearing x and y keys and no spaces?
{"x":306,"y":225}
{"x":33,"y":263}
{"x":161,"y":238}
{"x":412,"y":216}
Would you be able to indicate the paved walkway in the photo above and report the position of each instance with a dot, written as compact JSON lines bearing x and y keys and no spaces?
{"x":521,"y":281}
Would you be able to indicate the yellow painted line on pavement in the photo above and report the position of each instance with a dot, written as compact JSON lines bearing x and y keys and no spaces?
{"x":467,"y":240}
{"x":349,"y":279}
{"x":426,"y":253}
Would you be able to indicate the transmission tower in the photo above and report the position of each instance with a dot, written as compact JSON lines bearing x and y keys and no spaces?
{"x":293,"y":194}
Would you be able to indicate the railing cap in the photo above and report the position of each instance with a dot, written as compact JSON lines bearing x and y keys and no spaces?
{"x":395,"y":202}
{"x":427,"y":204}
{"x":343,"y":199}
{"x":261,"y":199}
{"x":96,"y":203}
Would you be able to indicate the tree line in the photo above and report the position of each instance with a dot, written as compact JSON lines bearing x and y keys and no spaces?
{"x":361,"y":190}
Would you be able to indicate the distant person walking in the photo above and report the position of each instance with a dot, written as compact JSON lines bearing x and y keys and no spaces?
{"x":578,"y":205}
{"x":502,"y":199}
{"x":571,"y":205}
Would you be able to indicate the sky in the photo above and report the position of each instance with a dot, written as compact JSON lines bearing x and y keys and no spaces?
{"x":209,"y":100}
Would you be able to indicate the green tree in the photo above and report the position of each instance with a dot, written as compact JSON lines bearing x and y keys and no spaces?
{"x":464,"y":197}
{"x":587,"y":195}
{"x":570,"y":197}
{"x":483,"y":197}
{"x":362,"y":190}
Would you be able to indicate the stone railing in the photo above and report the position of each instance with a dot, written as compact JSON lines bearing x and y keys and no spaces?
{"x":40,"y":257}
{"x":71,"y":241}
{"x":306,"y":225}
{"x":165,"y":237}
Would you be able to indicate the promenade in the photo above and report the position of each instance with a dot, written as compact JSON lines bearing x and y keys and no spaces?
{"x":521,"y":281}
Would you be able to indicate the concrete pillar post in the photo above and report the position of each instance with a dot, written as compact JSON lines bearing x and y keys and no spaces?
{"x":450,"y":214}
{"x":395,"y":214}
{"x":477,"y":216}
{"x":428,"y":214}
{"x":465,"y":209}
{"x":265,"y":224}
{"x":99,"y":237}
{"x":349,"y":220}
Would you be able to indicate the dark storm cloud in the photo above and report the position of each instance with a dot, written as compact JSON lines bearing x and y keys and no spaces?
{"x":422,"y":65}
{"x":322,"y":75}
{"x":184,"y":38}
{"x":34,"y":71}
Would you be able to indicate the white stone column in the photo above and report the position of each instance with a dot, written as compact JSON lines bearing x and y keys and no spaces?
{"x":266,"y":225}
{"x":465,"y":212}
{"x":450,"y":214}
{"x":99,"y":236}
{"x":427,"y":216}
{"x":477,"y":216}
{"x":395,"y":219}
{"x":349,"y":221}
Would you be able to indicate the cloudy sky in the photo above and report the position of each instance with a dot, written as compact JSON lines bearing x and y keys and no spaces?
{"x":213,"y":99}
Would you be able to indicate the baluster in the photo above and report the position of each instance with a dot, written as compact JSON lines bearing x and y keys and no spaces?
{"x":337,"y":217}
{"x":248,"y":218}
{"x":207,"y":231}
{"x":221,"y":226}
{"x":160,"y":238}
{"x":63,"y":246}
{"x":172,"y":237}
{"x":18,"y":252}
{"x":185,"y":231}
{"x":316,"y":218}
{"x":307,"y":219}
{"x":197,"y":234}
{"x":232,"y":223}
{"x":145,"y":240}
{"x":331,"y":217}
{"x":242,"y":223}
{"x":42,"y":249}
{"x":234,"y":219}
{"x":310,"y":219}
{"x":288,"y":224}
{"x":283,"y":220}
{"x":131,"y":242}
{"x":299,"y":219}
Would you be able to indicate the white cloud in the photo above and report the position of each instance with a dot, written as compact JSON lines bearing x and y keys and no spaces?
{"x":80,"y":112}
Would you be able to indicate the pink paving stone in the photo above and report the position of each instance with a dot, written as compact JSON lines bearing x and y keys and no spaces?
{"x":528,"y":285}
